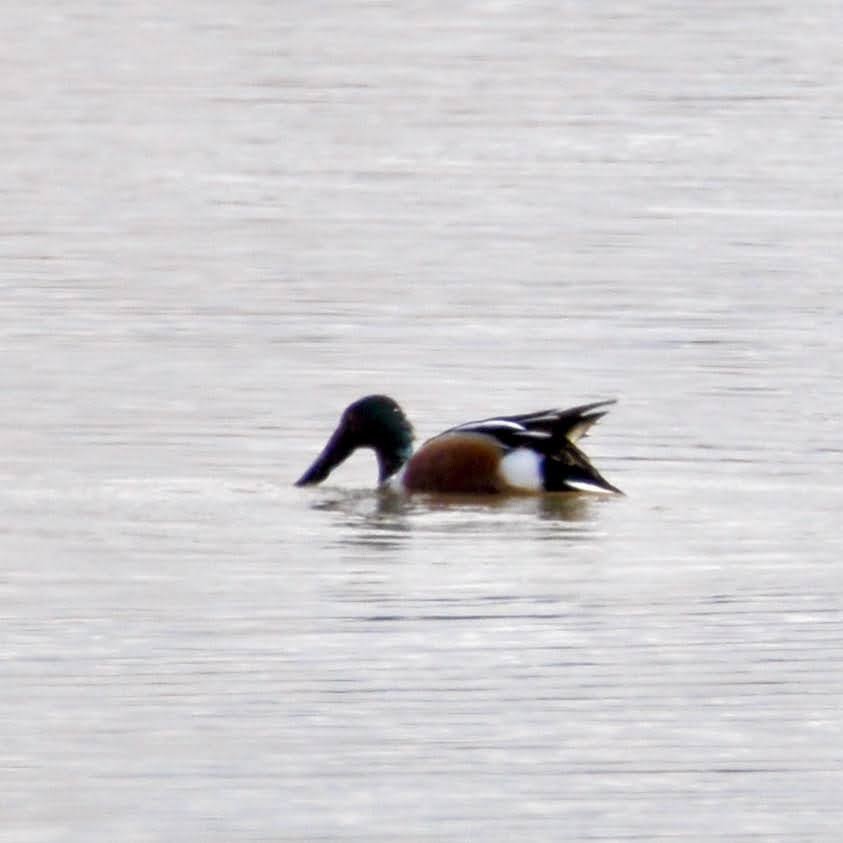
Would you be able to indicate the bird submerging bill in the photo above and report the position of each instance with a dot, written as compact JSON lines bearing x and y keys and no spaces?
{"x":534,"y":452}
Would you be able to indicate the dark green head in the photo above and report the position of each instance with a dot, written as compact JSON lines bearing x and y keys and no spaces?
{"x":375,"y":421}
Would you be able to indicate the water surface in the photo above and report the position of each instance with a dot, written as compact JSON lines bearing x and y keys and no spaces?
{"x":221,"y":225}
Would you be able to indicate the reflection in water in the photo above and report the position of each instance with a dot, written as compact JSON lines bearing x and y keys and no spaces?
{"x":383,"y":519}
{"x":379,"y":504}
{"x":573,"y":506}
{"x":570,"y":507}
{"x":369,"y":517}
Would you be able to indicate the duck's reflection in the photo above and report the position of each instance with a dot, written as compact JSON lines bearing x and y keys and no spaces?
{"x":383,"y":519}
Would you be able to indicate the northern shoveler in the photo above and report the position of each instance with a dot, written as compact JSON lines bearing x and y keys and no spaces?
{"x":535,"y":452}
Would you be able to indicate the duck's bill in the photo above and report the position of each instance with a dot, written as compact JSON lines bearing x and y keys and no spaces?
{"x":337,"y":450}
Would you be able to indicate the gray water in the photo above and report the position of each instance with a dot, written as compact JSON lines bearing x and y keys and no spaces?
{"x":221,"y":223}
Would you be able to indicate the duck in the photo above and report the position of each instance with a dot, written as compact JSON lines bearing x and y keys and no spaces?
{"x":530,"y":453}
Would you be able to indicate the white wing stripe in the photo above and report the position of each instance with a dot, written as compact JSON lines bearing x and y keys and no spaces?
{"x":491,"y":424}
